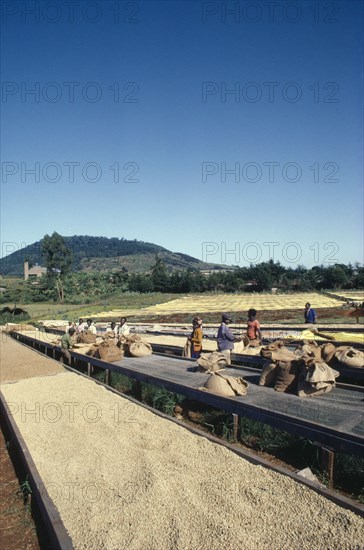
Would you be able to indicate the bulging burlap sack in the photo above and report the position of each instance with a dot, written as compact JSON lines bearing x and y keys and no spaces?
{"x":279,"y":354}
{"x":134,"y":346}
{"x":286,"y":377}
{"x":212,"y":362}
{"x":140,"y":349}
{"x":315,"y":378}
{"x":350,"y":357}
{"x":327,"y":352}
{"x":254,"y":343}
{"x":312,"y":343}
{"x":268,"y":376}
{"x":227,"y":386}
{"x":311,"y":350}
{"x":86,"y":338}
{"x":275,"y":345}
{"x":107,"y":351}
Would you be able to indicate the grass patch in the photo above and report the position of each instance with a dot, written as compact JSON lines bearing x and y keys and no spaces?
{"x":9,"y":318}
{"x":121,"y":383}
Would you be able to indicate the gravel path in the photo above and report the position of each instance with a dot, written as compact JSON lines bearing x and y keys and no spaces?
{"x":122,"y":477}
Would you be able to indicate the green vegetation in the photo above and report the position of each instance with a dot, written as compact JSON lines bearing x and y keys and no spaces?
{"x":99,"y":254}
{"x":58,"y":263}
{"x":52,"y":310}
{"x":96,"y":287}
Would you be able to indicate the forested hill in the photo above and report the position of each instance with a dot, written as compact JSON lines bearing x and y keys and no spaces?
{"x":102,"y":253}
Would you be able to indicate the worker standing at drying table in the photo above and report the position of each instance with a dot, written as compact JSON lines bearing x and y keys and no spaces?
{"x":310,"y":314}
{"x":124,"y":329}
{"x":112,"y":328}
{"x":81,"y":325}
{"x":253,"y":329}
{"x":225,"y":337}
{"x":91,"y":327}
{"x":196,"y":338}
{"x":66,"y":344}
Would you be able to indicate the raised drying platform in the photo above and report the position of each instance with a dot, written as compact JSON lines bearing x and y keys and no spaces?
{"x":334,"y":420}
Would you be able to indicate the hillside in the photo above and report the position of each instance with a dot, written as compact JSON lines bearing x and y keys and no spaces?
{"x":104,"y":254}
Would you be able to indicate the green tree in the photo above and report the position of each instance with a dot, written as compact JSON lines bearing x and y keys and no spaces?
{"x":159,"y":275}
{"x":58,"y":262}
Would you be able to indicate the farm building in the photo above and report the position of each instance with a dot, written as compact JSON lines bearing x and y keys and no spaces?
{"x":33,"y":272}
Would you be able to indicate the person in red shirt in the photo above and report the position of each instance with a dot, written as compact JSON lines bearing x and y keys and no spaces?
{"x":253,"y":329}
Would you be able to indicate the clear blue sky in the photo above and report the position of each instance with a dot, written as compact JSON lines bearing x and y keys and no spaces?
{"x":141,"y":86}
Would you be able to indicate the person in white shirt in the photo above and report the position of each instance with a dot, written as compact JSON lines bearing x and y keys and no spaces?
{"x":124,"y":329}
{"x":81,"y":325}
{"x":112,"y":328}
{"x":91,"y":327}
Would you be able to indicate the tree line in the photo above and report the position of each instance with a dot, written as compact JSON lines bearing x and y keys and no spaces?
{"x":63,"y":285}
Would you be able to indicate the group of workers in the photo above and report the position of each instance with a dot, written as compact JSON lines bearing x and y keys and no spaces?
{"x":89,"y":326}
{"x":226,"y":338}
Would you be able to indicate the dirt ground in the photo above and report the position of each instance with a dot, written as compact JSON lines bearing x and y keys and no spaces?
{"x":17,"y":527}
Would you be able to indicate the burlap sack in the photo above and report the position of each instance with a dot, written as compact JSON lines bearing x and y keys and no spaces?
{"x":245,"y":340}
{"x":186,"y":352}
{"x":227,"y":386}
{"x":312,"y":343}
{"x":86,"y":337}
{"x":93,"y":350}
{"x":311,"y":350}
{"x":254,"y":343}
{"x":140,"y":349}
{"x":109,"y":352}
{"x":350,"y":357}
{"x":275,"y":345}
{"x":130,"y":338}
{"x":327,"y":352}
{"x":134,"y":346}
{"x":268,"y":376}
{"x":316,"y":378}
{"x":212,"y":362}
{"x":286,"y":376}
{"x":280,"y":354}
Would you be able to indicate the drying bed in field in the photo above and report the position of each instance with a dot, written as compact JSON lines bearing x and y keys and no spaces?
{"x":122,"y":477}
{"x":233,"y":302}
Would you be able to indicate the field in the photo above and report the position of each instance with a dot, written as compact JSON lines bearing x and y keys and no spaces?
{"x":210,"y":303}
{"x":129,"y":302}
{"x":351,"y":295}
{"x":159,"y":307}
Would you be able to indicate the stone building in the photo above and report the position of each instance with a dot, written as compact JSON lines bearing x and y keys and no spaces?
{"x":33,"y":272}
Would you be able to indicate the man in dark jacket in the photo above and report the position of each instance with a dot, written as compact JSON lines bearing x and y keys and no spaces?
{"x":310,"y":314}
{"x":225,"y":338}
